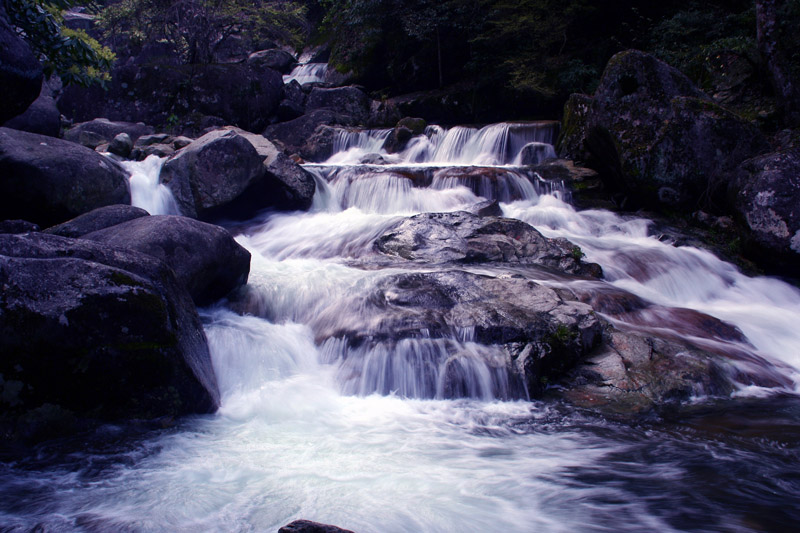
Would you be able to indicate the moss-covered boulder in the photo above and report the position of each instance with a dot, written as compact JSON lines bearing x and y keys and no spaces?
{"x":91,"y":332}
{"x":655,"y":137}
{"x":766,"y":196}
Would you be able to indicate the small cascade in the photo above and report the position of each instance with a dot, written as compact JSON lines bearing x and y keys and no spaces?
{"x":307,"y":73}
{"x":422,"y":368}
{"x":496,"y":144}
{"x":146,"y":191}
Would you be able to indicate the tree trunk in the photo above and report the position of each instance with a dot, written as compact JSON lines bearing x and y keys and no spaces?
{"x":786,"y":90}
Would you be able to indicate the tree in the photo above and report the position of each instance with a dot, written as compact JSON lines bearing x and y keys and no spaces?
{"x":72,"y":54}
{"x":197,"y":28}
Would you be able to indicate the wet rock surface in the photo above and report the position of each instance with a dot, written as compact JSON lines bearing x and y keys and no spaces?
{"x":462,"y":237}
{"x":95,"y":332}
{"x":205,"y":258}
{"x":307,"y":526}
{"x":97,"y":219}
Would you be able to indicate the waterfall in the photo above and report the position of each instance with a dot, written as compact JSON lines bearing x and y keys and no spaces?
{"x":307,"y":73}
{"x":334,"y":409}
{"x":146,"y":190}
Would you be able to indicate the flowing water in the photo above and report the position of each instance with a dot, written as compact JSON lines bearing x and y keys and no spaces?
{"x":367,"y":437}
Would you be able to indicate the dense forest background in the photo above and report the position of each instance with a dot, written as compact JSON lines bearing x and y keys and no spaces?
{"x":523,"y":54}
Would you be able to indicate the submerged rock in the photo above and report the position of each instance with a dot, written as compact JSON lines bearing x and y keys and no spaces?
{"x":89,"y":331}
{"x":47,"y":180}
{"x":204,"y":257}
{"x":462,"y":237}
{"x":307,"y":526}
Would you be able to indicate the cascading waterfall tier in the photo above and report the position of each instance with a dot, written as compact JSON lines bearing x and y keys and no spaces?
{"x":326,"y":415}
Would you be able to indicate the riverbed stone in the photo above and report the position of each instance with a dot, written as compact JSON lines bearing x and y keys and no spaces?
{"x":307,"y":526}
{"x":42,"y":116}
{"x":205,"y":258}
{"x":92,"y":332}
{"x":105,"y":130}
{"x":466,"y":238}
{"x":48,"y":181}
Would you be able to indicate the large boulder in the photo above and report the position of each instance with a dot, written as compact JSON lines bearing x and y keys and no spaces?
{"x":48,"y":181}
{"x":89,"y":331}
{"x":20,"y":72}
{"x":655,"y":136}
{"x":435,"y":238}
{"x":102,"y":130}
{"x":349,"y":101}
{"x":97,"y":219}
{"x":209,"y":177}
{"x":307,"y":526}
{"x":294,"y":135}
{"x":42,"y":116}
{"x":204,"y":257}
{"x":233,"y":173}
{"x":274,"y":58}
{"x":767,"y":200}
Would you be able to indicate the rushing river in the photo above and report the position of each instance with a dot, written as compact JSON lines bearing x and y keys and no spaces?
{"x":312,"y":428}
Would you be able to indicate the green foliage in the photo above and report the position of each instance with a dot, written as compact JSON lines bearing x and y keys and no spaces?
{"x":72,"y":54}
{"x":196,"y":28}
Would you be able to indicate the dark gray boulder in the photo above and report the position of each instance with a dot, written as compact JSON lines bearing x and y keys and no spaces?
{"x":102,"y":128}
{"x":405,"y":128}
{"x":349,"y":101}
{"x":20,"y":72}
{"x":307,"y":526}
{"x":42,"y":116}
{"x":17,"y":226}
{"x":97,"y":219}
{"x":233,"y":173}
{"x":205,"y":258}
{"x":467,"y":238}
{"x":295,"y":135}
{"x":212,"y":173}
{"x":48,"y":181}
{"x":275,"y":59}
{"x":121,"y":145}
{"x":766,"y":197}
{"x":89,"y":331}
{"x":655,"y":136}
{"x":318,"y":146}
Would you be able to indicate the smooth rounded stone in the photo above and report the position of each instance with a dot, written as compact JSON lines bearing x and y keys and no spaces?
{"x":487,"y":208}
{"x":205,"y":258}
{"x":42,"y":116}
{"x":541,"y":334}
{"x":285,"y":185}
{"x":97,"y":219}
{"x":416,"y":125}
{"x":20,"y":72}
{"x":181,"y":142}
{"x":766,"y":196}
{"x":655,"y":136}
{"x":307,"y":526}
{"x":92,"y":332}
{"x":121,"y":145}
{"x":210,"y":176}
{"x":17,"y":226}
{"x":102,"y":128}
{"x":397,"y":139}
{"x":48,"y":181}
{"x":350,"y":101}
{"x":633,"y":374}
{"x":372,"y":159}
{"x":275,"y":59}
{"x":466,"y":238}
